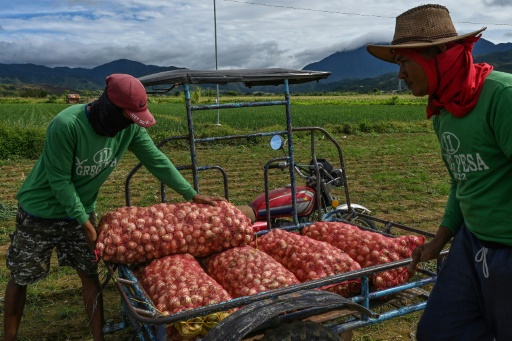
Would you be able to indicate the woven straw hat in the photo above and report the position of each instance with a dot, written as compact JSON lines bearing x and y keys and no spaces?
{"x":422,"y":26}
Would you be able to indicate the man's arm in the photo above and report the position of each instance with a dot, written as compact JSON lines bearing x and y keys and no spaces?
{"x":431,"y":249}
{"x":90,"y":234}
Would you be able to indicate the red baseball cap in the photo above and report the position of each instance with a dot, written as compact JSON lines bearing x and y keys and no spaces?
{"x":128,"y":93}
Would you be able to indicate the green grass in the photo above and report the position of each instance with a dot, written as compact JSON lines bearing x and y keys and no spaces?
{"x":29,"y":114}
{"x":23,"y":125}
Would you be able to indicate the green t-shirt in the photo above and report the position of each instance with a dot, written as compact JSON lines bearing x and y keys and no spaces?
{"x":76,"y":162}
{"x":477,"y":150}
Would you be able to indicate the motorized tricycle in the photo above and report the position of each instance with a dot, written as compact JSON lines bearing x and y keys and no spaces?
{"x":300,"y":309}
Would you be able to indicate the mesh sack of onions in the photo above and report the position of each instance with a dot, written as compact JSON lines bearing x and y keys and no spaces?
{"x":178,"y":282}
{"x":368,"y":248}
{"x":246,"y":271}
{"x":309,"y":259}
{"x":138,"y":234}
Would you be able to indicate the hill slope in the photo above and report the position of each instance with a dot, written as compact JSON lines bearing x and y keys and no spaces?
{"x":74,"y":78}
{"x":354,"y":70}
{"x":359,"y":64}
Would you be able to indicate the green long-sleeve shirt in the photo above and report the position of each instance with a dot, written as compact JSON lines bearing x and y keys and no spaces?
{"x":76,"y":162}
{"x":477,"y":150}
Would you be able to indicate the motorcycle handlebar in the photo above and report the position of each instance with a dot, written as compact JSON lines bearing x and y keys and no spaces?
{"x":302,"y":170}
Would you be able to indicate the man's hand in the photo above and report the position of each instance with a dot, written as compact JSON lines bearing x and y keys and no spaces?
{"x":430,"y":250}
{"x":90,"y":235}
{"x":205,"y":199}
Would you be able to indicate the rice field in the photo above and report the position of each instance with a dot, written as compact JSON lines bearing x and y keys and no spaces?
{"x":333,"y":111}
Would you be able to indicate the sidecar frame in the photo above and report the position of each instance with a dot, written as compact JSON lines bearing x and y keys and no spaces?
{"x":343,"y":316}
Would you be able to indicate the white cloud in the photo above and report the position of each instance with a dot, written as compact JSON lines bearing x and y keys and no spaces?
{"x":498,"y":2}
{"x":278,"y":33}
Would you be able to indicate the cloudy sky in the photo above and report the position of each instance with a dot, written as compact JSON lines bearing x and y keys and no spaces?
{"x":250,"y":34}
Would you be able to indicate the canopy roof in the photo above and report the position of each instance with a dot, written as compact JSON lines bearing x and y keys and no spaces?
{"x":250,"y":77}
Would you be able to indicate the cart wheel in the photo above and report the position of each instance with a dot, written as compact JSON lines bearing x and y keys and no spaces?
{"x":300,"y":331}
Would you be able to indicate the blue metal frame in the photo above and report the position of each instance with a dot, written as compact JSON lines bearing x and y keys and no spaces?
{"x":137,"y":308}
{"x":150,"y":325}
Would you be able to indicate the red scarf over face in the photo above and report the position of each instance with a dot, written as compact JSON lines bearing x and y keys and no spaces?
{"x":454,"y":82}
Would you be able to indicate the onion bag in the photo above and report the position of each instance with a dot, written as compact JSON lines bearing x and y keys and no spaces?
{"x":139,"y":234}
{"x":309,"y":259}
{"x":246,"y":271}
{"x":178,"y":282}
{"x":368,"y":248}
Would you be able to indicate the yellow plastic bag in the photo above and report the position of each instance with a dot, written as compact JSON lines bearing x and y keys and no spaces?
{"x":199,"y":325}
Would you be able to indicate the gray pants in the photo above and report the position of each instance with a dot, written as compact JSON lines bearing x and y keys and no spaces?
{"x":33,"y":241}
{"x":471,"y":299}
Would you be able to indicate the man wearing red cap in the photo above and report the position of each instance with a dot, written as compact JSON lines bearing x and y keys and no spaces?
{"x":57,"y":201}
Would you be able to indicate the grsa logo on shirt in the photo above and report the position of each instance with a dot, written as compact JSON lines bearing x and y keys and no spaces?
{"x":101,"y":160}
{"x":460,"y":164}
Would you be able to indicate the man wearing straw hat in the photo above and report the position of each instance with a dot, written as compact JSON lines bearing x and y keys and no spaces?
{"x":471,"y":110}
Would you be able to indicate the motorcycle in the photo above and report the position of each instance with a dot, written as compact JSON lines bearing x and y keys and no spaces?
{"x":314,"y":200}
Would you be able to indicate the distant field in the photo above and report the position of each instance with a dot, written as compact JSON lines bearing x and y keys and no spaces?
{"x":306,"y":111}
{"x":29,"y":114}
{"x":23,"y":125}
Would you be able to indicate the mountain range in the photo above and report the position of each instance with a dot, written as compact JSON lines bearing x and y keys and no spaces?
{"x":354,"y":70}
{"x":359,"y":64}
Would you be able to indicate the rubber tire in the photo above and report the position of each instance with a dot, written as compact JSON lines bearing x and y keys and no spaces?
{"x":300,"y":331}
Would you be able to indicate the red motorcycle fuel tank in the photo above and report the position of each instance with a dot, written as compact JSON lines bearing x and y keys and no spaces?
{"x":280,"y":201}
